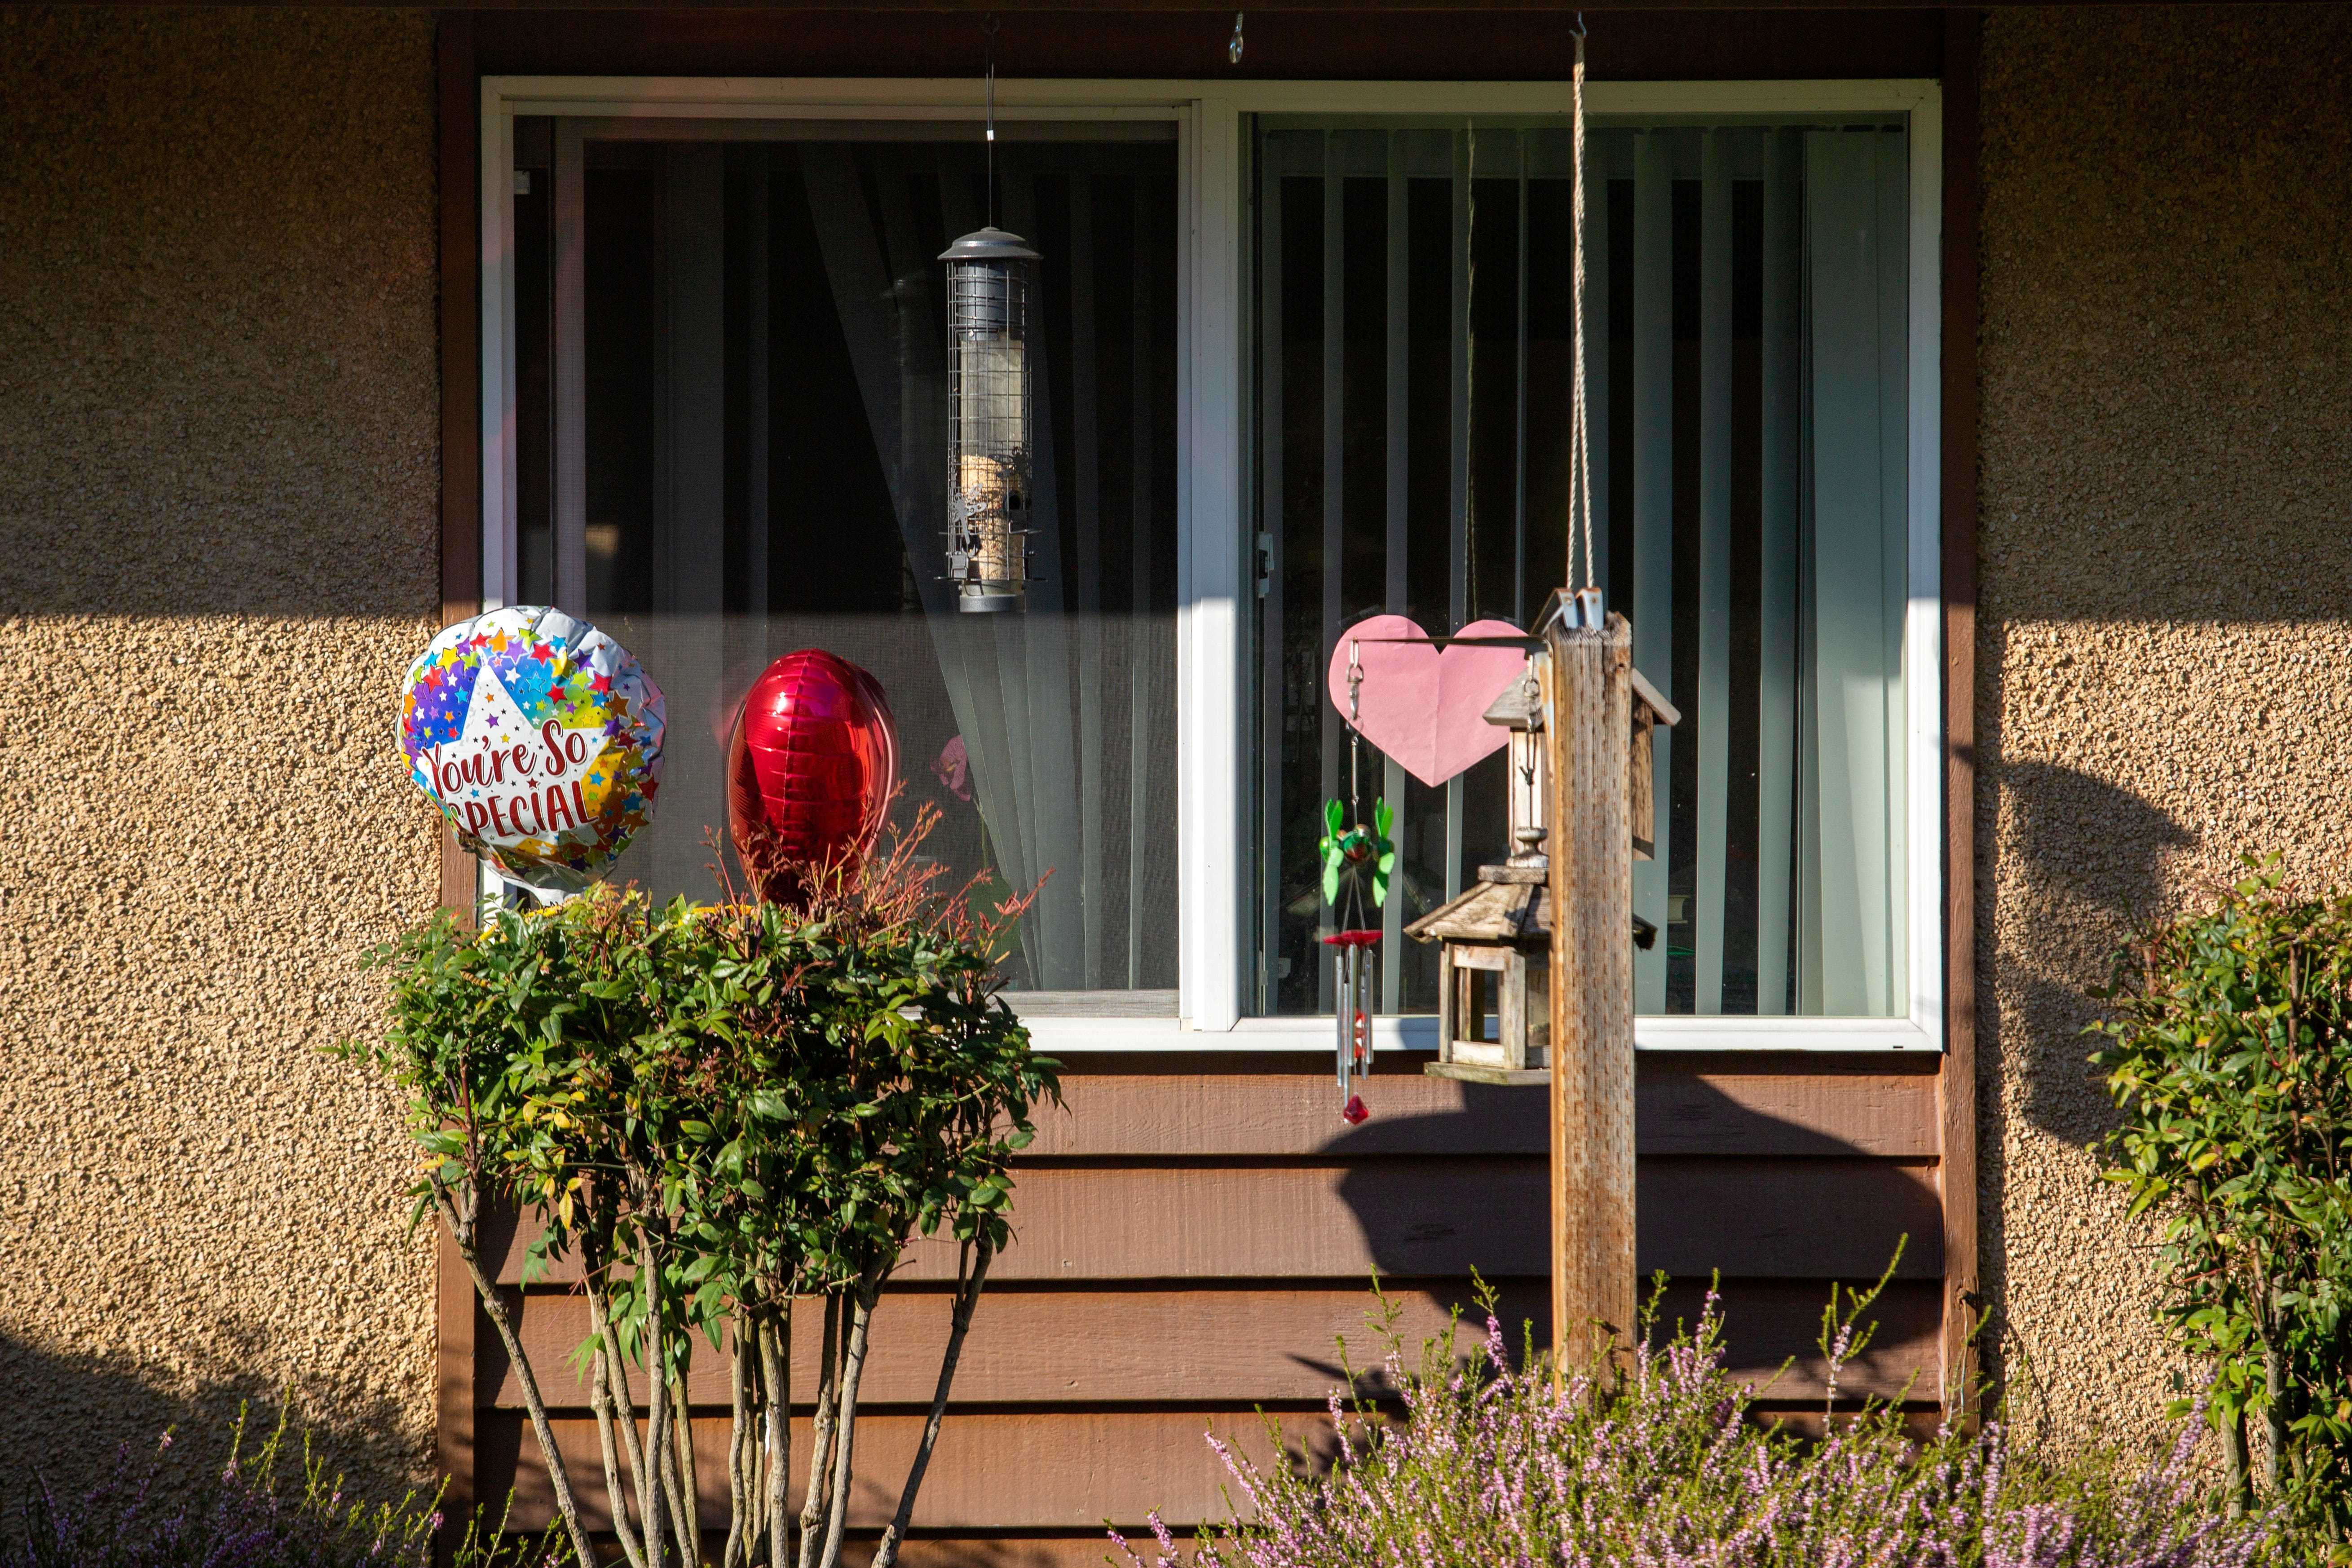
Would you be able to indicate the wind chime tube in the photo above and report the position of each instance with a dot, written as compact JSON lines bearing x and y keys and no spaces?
{"x":1353,"y":971}
{"x":989,"y":279}
{"x":1344,"y":1015}
{"x":1355,"y":1012}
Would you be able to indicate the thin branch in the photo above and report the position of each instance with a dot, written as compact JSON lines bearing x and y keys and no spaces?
{"x":600,"y":1398}
{"x":739,"y":1437}
{"x":776,"y":1365}
{"x":820,"y":1473}
{"x":651,"y":1493}
{"x":494,"y":1307}
{"x":845,"y":1432}
{"x":625,"y":1410}
{"x":967,"y":1296}
{"x":686,"y":1503}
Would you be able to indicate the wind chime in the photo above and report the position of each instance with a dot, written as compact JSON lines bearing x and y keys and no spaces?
{"x":1430,"y":711}
{"x":1359,"y":857}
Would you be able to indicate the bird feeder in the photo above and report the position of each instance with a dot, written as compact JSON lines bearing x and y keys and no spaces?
{"x":990,"y":278}
{"x":1494,"y":987}
{"x":1495,"y":941}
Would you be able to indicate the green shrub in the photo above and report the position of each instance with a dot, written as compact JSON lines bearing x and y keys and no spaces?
{"x":1665,"y":1462}
{"x":2229,"y":1050}
{"x":255,"y":1511}
{"x":720,"y":1109}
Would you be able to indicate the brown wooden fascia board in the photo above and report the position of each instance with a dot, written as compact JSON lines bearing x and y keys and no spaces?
{"x":1957,"y":1080}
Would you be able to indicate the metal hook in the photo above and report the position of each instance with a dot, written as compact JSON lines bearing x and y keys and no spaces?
{"x":1233,"y":49}
{"x":989,"y":26}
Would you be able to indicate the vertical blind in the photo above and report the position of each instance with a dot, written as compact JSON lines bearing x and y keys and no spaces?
{"x":1746,"y":334}
{"x":757,"y":464}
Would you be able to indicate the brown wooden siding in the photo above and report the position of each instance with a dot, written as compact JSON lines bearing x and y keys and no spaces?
{"x":1192,"y":1245}
{"x":1197,"y":1231}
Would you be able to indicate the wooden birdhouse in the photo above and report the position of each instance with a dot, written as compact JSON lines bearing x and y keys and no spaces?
{"x":1650,"y":710}
{"x":1494,"y":987}
{"x":1495,"y":941}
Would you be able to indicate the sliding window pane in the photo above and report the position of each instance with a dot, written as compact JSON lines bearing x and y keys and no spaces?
{"x":1746,"y":310}
{"x":764,"y":462}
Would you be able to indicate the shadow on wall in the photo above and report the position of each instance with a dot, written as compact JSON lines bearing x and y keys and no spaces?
{"x":2089,"y":870}
{"x":100,"y":1419}
{"x":1436,"y":1196}
{"x":2084,"y":868}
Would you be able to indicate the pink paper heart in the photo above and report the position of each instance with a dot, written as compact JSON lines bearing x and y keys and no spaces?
{"x":1425,"y":706}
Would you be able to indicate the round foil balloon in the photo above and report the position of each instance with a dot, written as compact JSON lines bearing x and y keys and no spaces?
{"x":541,"y":741}
{"x":810,"y":771}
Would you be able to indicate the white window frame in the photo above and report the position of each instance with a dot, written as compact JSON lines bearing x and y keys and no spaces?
{"x":1213,"y":442}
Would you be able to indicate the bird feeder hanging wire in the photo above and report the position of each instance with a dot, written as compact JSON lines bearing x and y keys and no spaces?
{"x":990,"y":27}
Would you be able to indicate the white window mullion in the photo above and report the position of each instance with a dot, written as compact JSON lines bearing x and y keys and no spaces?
{"x":1923,"y":650}
{"x":1267,"y":444}
{"x":1208,"y":441}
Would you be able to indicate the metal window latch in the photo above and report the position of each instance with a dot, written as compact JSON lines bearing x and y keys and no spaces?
{"x":1264,"y":563}
{"x":522,"y":182}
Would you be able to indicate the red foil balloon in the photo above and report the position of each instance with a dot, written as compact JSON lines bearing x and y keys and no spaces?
{"x":810,"y":771}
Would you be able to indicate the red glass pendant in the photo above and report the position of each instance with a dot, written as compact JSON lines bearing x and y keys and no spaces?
{"x":810,"y":771}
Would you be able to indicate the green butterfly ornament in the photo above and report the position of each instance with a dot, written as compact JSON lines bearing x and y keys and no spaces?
{"x":1351,"y":851}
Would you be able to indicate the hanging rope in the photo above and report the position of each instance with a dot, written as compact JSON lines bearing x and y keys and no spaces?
{"x":1579,"y":459}
{"x":1470,"y":384}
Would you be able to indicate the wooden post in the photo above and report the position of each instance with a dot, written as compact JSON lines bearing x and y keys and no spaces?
{"x":1589,"y":685}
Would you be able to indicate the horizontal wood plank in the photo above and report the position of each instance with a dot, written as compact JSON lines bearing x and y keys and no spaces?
{"x":994,"y":1470}
{"x":1787,"y":1218}
{"x":1237,"y":1347}
{"x":1438,"y":1218}
{"x":1704,"y":1105}
{"x":1770,"y":1325}
{"x":990,"y":1472}
{"x":1090,"y":1550}
{"x":1682,"y":1110}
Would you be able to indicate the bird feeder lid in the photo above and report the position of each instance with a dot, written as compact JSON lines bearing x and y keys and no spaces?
{"x":1557,"y":608}
{"x":1489,"y":912}
{"x":1661,"y":711}
{"x":1520,"y":706}
{"x":990,"y":245}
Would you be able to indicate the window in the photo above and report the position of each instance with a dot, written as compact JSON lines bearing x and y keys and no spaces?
{"x":1297,"y":364}
{"x":1747,"y":303}
{"x":757,"y":349}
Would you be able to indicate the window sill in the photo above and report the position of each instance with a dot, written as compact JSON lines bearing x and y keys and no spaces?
{"x":1063,"y":1036}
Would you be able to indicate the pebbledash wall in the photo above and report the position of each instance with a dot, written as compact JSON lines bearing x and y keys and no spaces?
{"x":218,"y":506}
{"x":219,"y":538}
{"x":2165,"y":654}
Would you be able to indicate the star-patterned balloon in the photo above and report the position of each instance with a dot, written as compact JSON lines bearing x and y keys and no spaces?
{"x":540,"y":740}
